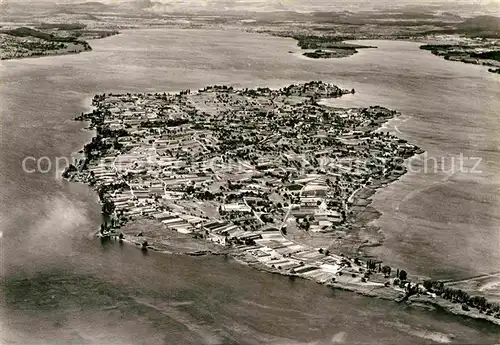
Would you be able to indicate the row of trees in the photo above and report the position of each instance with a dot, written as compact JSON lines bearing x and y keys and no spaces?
{"x":437,"y":287}
{"x":460,"y":296}
{"x":386,"y":270}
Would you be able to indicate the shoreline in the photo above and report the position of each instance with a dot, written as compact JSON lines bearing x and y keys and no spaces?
{"x":368,"y":290}
{"x":37,"y":56}
{"x":395,"y":297}
{"x":86,"y":47}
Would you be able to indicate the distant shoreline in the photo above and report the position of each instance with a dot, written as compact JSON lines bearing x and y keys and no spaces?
{"x":37,"y":56}
{"x":25,"y":42}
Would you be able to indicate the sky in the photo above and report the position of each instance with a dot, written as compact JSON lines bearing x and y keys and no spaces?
{"x":493,"y":6}
{"x":308,"y":2}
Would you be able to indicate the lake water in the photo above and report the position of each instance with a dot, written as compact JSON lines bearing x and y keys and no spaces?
{"x":61,"y":285}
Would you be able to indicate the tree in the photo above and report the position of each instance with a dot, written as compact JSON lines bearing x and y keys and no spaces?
{"x":386,"y":270}
{"x":403,"y":275}
{"x":107,"y":208}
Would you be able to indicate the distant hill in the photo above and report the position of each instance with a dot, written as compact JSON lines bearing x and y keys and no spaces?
{"x":480,"y":26}
{"x":481,"y":22}
{"x":142,"y":3}
{"x":25,"y":32}
{"x":61,"y":26}
{"x":89,"y":6}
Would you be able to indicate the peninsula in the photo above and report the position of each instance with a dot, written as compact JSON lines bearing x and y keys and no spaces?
{"x":274,"y":178}
{"x":47,"y":39}
{"x":484,"y":52}
{"x":326,"y":47}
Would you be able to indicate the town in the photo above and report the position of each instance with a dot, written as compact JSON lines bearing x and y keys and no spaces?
{"x":248,"y":170}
